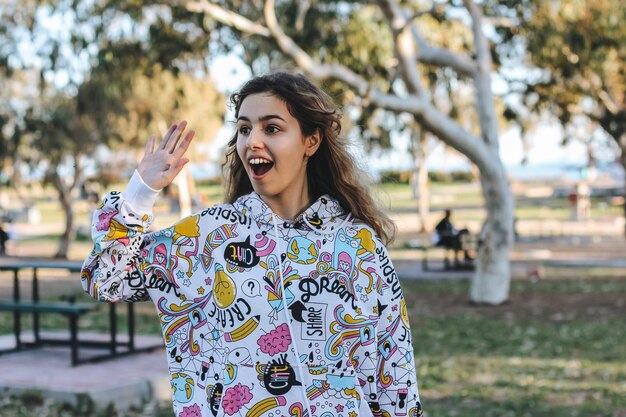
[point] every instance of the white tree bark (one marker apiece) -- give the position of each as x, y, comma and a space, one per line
182, 181
490, 283
419, 182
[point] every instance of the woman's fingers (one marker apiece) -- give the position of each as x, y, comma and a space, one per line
150, 144
159, 166
184, 144
168, 136
175, 137
179, 165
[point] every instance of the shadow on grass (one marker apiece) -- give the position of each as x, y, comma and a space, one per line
475, 406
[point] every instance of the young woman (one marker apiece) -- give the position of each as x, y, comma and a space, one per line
283, 301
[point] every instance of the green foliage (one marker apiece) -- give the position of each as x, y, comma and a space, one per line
119, 72
581, 48
153, 76
142, 64
135, 103
395, 177
456, 176
403, 177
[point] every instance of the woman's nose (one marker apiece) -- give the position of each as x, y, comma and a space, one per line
255, 139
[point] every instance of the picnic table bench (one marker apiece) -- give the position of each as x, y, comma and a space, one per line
426, 249
72, 310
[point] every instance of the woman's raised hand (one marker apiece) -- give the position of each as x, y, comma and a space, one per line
159, 166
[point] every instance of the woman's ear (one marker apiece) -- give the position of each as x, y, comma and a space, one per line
312, 143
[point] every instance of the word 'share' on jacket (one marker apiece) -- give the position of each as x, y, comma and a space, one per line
262, 316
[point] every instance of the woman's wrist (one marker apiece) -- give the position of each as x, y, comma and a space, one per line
140, 195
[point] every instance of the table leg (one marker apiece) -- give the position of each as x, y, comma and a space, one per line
17, 325
131, 327
113, 328
74, 337
35, 300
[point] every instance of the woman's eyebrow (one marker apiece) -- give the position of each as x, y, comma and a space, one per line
262, 118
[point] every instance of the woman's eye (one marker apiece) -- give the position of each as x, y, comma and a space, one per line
244, 130
272, 129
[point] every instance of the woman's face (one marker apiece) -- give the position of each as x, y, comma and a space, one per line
272, 148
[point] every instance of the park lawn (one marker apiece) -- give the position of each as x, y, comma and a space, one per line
464, 198
556, 349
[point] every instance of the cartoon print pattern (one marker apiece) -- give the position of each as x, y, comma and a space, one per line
230, 316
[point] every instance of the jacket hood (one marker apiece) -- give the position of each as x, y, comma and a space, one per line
324, 216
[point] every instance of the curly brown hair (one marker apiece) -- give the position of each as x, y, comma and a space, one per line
331, 170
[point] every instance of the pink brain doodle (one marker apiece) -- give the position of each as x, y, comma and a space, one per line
191, 411
275, 341
235, 398
104, 220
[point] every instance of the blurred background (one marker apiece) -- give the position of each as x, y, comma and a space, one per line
510, 113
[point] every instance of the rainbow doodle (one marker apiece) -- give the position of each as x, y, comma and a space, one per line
266, 405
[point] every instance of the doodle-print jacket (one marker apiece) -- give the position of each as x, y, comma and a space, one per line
262, 316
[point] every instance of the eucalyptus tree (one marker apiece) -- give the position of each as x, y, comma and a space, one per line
41, 127
130, 101
63, 137
93, 67
394, 69
576, 53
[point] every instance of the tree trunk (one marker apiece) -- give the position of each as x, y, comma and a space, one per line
16, 182
424, 201
419, 181
184, 195
491, 281
490, 284
623, 161
65, 198
182, 181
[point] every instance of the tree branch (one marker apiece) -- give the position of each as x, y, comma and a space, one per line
440, 57
404, 47
78, 170
483, 55
482, 79
305, 62
303, 8
228, 18
432, 11
436, 122
610, 104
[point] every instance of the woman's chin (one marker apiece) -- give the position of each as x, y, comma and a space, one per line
261, 189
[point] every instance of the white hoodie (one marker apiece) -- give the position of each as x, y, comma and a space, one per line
262, 316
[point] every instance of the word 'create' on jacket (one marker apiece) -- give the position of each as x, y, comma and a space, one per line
262, 316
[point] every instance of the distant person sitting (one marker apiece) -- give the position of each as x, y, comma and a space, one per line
448, 236
4, 236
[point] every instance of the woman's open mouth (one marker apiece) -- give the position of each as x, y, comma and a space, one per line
260, 166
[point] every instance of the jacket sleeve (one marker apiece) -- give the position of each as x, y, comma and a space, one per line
396, 378
113, 271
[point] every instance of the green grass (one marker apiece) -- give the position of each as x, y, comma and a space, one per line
558, 359
557, 349
399, 197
